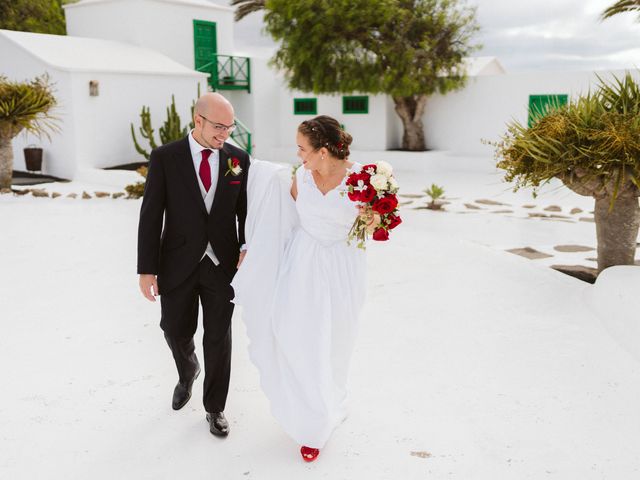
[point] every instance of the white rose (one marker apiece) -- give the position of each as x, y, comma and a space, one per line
393, 183
379, 182
384, 168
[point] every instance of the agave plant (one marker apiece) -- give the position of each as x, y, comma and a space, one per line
23, 106
621, 6
592, 145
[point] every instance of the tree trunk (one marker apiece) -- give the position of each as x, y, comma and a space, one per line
410, 110
617, 230
6, 162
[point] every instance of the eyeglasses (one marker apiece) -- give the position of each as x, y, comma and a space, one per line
219, 127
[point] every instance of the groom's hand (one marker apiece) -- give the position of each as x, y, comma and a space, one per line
149, 286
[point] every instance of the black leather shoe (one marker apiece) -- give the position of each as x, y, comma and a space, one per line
182, 392
218, 425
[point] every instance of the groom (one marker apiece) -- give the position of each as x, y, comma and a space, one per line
198, 186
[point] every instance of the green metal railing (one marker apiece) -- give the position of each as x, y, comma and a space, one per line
228, 73
242, 136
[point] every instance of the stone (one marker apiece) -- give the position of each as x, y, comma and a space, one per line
484, 201
471, 206
502, 211
537, 215
102, 194
586, 274
72, 195
20, 191
56, 195
528, 206
575, 211
5, 190
587, 219
553, 208
530, 253
421, 454
86, 196
122, 194
555, 215
572, 248
38, 192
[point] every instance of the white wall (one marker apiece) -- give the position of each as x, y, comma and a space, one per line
58, 159
369, 131
459, 120
102, 123
161, 26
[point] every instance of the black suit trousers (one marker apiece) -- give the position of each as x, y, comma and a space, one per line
210, 286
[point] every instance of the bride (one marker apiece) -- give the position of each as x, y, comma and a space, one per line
301, 286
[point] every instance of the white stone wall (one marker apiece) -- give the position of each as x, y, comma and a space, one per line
102, 124
162, 26
459, 120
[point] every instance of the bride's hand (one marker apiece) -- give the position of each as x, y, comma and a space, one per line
242, 255
372, 219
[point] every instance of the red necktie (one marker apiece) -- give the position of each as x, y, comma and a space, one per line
205, 170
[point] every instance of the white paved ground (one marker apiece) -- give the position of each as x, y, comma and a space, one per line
472, 363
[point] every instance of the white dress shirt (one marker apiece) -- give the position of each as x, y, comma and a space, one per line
214, 161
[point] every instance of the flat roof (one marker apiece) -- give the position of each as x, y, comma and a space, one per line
78, 54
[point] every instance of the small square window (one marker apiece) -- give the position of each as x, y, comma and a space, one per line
305, 106
355, 104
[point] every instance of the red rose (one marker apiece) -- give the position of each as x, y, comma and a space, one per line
367, 195
367, 167
393, 221
354, 196
386, 204
235, 162
355, 177
380, 235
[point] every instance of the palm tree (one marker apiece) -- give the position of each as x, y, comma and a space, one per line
23, 106
245, 7
592, 146
621, 6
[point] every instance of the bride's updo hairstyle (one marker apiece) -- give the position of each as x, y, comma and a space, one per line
325, 131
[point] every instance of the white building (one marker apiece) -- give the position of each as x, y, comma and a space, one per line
95, 129
143, 51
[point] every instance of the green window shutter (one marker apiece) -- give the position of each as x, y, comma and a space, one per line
305, 106
358, 104
205, 45
540, 105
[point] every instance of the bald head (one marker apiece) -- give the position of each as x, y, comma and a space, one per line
212, 103
210, 110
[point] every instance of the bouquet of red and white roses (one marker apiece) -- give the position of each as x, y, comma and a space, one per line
374, 188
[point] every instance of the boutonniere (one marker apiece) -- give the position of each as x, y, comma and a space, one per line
234, 167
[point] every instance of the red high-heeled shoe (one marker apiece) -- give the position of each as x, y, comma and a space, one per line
309, 454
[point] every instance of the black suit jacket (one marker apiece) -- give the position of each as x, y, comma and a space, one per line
172, 194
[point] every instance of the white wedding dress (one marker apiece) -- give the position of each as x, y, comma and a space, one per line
301, 288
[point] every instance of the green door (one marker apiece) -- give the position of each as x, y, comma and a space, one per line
205, 46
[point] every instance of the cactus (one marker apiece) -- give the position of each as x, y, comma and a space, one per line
169, 132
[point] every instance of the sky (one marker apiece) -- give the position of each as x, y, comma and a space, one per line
532, 35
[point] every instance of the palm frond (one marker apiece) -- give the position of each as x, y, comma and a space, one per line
621, 6
245, 7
